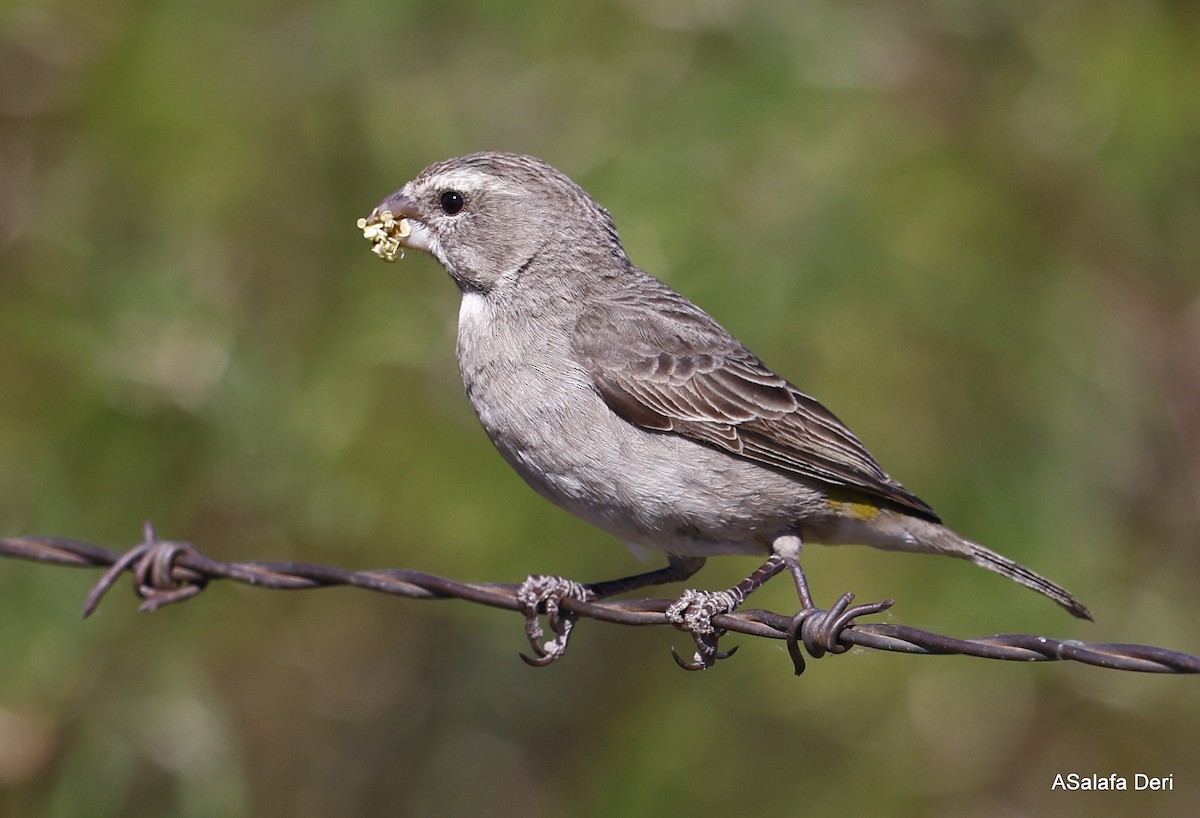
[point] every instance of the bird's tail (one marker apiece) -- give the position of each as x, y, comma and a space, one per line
987, 558
897, 531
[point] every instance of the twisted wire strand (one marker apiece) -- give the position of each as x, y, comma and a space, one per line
167, 572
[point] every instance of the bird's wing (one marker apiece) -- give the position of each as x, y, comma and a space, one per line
664, 364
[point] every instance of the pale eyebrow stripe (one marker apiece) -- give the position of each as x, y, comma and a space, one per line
472, 180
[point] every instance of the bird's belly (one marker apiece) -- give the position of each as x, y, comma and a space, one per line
652, 489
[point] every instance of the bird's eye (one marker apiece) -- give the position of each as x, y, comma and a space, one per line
452, 202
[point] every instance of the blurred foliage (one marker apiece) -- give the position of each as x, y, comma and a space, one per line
972, 229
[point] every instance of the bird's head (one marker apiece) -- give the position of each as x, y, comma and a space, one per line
487, 216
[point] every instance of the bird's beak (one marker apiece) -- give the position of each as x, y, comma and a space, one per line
392, 225
400, 206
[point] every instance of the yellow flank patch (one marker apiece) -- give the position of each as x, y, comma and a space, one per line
858, 511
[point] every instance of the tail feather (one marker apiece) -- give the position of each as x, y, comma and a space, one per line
987, 558
894, 530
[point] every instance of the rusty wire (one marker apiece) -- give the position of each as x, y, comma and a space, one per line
167, 571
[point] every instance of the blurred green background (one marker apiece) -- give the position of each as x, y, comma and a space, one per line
972, 229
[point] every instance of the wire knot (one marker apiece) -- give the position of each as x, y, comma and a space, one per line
159, 579
821, 630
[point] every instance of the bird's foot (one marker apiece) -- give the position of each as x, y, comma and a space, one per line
693, 612
539, 595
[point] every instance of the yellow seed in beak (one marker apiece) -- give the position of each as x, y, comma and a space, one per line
385, 233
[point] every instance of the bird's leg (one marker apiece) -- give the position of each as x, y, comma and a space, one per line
788, 548
541, 594
817, 628
677, 570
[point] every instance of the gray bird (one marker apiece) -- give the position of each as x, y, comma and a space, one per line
624, 403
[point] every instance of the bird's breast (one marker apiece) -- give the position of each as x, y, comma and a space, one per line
524, 385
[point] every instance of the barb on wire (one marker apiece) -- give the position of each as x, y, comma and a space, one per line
167, 572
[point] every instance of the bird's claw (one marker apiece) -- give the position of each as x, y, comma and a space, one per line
539, 595
693, 612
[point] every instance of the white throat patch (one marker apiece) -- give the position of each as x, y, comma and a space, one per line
474, 308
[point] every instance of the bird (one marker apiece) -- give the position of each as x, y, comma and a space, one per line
618, 399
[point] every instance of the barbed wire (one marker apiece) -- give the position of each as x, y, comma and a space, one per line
167, 572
